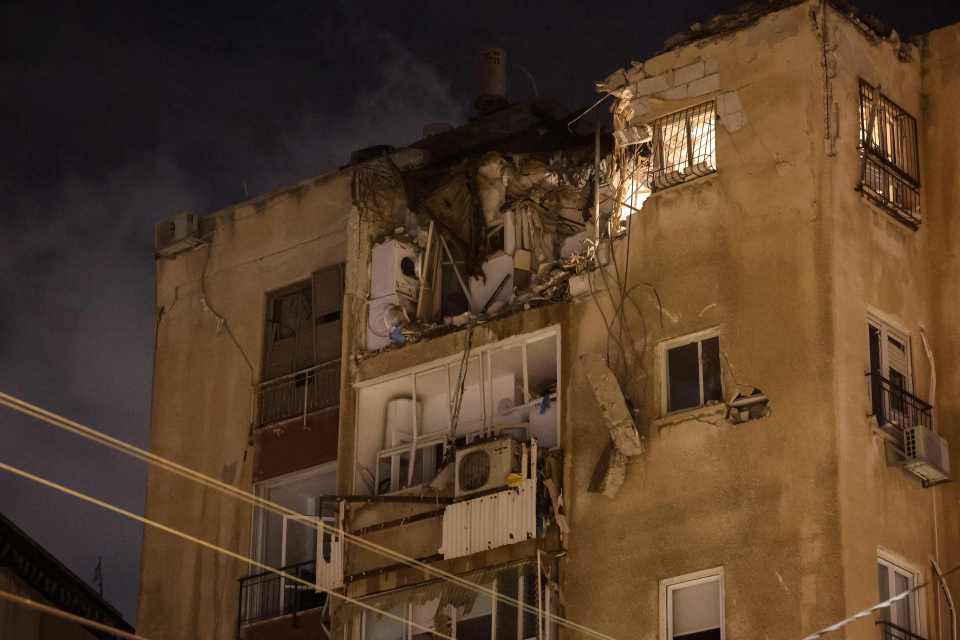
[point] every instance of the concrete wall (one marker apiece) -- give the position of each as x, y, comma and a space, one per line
20, 623
203, 393
941, 89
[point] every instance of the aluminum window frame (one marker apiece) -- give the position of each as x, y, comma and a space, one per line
898, 564
670, 585
663, 368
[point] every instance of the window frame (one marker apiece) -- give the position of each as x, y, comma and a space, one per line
889, 146
258, 521
887, 329
894, 564
670, 585
662, 176
663, 350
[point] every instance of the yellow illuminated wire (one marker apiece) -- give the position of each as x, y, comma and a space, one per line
209, 545
60, 613
151, 458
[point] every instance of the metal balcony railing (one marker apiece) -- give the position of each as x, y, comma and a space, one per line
890, 631
299, 394
895, 407
267, 595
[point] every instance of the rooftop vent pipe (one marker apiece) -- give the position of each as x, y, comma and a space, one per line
493, 80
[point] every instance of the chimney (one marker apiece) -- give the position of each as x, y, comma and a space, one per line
493, 80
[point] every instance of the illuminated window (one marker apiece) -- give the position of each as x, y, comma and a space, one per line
890, 168
684, 146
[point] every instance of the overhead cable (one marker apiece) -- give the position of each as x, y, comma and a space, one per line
65, 615
209, 545
250, 498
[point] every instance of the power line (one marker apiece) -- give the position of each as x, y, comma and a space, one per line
863, 613
254, 500
65, 615
209, 545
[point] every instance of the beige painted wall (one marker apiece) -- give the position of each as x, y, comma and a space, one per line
202, 394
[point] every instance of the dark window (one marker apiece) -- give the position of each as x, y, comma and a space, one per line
694, 376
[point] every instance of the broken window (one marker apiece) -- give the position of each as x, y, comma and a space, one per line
692, 606
890, 170
301, 369
693, 375
509, 387
893, 580
684, 146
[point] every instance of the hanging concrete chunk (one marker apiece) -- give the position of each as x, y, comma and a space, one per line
606, 390
610, 472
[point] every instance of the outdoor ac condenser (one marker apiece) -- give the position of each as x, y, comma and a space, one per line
926, 454
485, 466
176, 234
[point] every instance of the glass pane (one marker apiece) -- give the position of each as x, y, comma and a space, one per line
507, 613
530, 618
301, 543
379, 627
901, 609
542, 366
434, 401
471, 410
712, 377
475, 623
696, 609
424, 615
506, 373
683, 377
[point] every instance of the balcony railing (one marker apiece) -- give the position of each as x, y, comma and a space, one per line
299, 394
890, 631
895, 407
267, 595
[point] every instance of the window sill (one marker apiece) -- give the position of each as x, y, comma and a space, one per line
696, 179
713, 413
889, 211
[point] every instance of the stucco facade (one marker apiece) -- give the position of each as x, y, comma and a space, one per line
776, 255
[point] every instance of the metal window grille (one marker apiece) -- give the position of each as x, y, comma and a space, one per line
890, 168
268, 595
684, 146
299, 394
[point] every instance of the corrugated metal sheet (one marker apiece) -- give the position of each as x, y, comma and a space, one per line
490, 521
330, 564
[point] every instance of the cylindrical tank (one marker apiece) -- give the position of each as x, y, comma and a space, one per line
493, 80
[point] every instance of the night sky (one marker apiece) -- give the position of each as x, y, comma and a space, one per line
113, 118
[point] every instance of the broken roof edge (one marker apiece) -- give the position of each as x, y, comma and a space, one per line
750, 13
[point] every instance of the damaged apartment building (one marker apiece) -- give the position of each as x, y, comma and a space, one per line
691, 376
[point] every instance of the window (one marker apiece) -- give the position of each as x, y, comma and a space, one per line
684, 146
894, 579
891, 380
691, 373
302, 336
508, 387
890, 170
691, 606
476, 618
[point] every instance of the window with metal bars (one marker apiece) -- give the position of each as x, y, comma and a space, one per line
684, 146
890, 167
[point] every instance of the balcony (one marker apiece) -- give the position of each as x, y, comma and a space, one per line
896, 408
266, 595
890, 631
299, 394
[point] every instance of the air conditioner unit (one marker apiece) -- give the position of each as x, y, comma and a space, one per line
485, 466
395, 269
176, 234
926, 455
